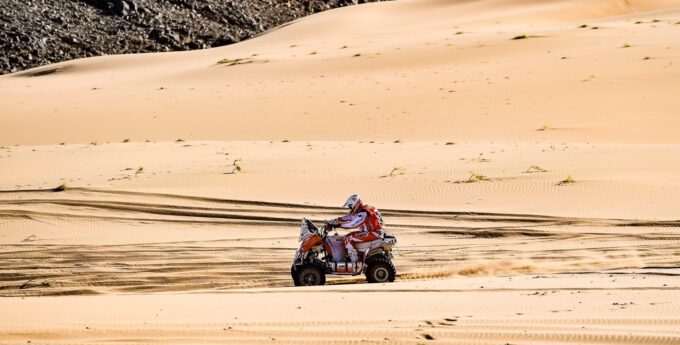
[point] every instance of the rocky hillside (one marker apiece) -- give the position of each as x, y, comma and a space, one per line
39, 32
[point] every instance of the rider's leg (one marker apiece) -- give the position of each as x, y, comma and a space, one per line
357, 237
351, 251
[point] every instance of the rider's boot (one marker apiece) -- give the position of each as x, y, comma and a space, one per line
353, 255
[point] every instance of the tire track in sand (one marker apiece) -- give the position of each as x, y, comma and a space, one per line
432, 244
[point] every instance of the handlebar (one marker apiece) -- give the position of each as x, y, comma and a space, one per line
326, 228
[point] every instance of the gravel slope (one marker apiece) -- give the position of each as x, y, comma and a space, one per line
39, 32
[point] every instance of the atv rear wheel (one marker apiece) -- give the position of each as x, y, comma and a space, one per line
381, 270
308, 275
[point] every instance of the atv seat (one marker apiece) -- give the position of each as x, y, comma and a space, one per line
364, 245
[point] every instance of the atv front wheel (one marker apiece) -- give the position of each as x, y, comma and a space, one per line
381, 270
308, 275
294, 275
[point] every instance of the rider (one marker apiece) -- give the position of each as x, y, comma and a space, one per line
363, 216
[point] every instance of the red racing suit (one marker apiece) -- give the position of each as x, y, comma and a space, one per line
369, 222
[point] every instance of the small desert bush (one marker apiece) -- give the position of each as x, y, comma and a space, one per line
475, 177
30, 238
126, 140
234, 62
535, 169
60, 188
235, 167
520, 37
396, 171
566, 181
139, 170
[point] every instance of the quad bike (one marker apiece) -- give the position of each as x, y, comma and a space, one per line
320, 254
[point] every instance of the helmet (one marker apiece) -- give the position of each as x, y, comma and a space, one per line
353, 203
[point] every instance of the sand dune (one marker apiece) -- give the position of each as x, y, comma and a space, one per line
556, 309
420, 70
612, 180
524, 153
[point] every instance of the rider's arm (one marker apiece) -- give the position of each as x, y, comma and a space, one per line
351, 221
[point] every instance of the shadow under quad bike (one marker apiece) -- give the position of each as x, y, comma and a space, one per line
319, 254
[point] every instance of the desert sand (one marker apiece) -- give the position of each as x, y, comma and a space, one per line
526, 154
